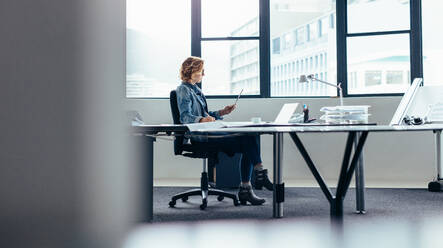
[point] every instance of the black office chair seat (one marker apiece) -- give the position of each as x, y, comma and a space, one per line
195, 151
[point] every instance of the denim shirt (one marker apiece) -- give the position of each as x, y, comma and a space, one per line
192, 106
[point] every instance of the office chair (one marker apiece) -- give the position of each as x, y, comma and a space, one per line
195, 151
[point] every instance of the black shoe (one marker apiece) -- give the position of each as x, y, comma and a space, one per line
261, 179
245, 194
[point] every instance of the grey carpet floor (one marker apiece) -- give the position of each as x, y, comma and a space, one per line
303, 204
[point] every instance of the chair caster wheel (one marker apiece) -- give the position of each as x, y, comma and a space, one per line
220, 198
185, 199
204, 204
172, 204
236, 203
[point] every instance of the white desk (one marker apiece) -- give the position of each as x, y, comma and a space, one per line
346, 170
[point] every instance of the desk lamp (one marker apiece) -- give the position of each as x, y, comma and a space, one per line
306, 78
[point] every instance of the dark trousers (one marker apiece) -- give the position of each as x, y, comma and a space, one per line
247, 145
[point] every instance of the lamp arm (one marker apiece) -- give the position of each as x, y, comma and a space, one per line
333, 85
338, 86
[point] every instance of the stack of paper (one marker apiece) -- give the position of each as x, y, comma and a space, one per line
345, 114
435, 113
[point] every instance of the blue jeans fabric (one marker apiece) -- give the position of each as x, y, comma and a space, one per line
247, 145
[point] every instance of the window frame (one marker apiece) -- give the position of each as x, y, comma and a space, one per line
415, 45
265, 47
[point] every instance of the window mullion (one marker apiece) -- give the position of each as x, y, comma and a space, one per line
416, 47
341, 32
265, 51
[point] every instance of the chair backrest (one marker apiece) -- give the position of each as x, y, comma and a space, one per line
178, 142
179, 145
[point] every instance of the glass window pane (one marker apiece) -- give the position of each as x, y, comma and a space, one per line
378, 15
378, 64
231, 66
153, 56
229, 18
307, 30
432, 41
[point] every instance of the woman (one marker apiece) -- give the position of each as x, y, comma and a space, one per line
193, 108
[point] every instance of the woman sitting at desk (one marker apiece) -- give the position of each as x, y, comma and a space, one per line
192, 106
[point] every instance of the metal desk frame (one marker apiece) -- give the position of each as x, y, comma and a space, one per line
356, 134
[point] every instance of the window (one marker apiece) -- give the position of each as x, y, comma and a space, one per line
235, 62
324, 26
432, 41
308, 33
229, 18
300, 35
352, 80
394, 77
321, 60
383, 55
373, 56
276, 46
372, 78
153, 56
332, 21
374, 53
378, 15
230, 47
287, 41
316, 62
313, 31
307, 29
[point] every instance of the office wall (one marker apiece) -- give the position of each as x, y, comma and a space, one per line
391, 159
64, 179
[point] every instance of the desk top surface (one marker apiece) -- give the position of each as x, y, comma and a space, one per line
288, 129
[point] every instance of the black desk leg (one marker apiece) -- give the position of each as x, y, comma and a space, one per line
278, 194
437, 184
346, 171
147, 168
359, 182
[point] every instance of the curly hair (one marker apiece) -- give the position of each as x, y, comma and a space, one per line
189, 66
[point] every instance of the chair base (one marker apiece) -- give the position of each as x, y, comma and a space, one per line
204, 194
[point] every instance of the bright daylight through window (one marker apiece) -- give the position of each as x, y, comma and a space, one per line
158, 39
303, 42
380, 63
432, 41
303, 36
230, 65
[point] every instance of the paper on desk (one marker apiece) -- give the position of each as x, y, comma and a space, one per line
237, 123
205, 126
217, 124
435, 113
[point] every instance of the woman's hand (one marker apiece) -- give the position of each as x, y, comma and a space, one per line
207, 119
227, 110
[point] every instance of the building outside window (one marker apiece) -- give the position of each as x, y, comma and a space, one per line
371, 59
432, 41
153, 57
232, 65
303, 41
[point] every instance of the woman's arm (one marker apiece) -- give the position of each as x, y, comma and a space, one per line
227, 110
216, 115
